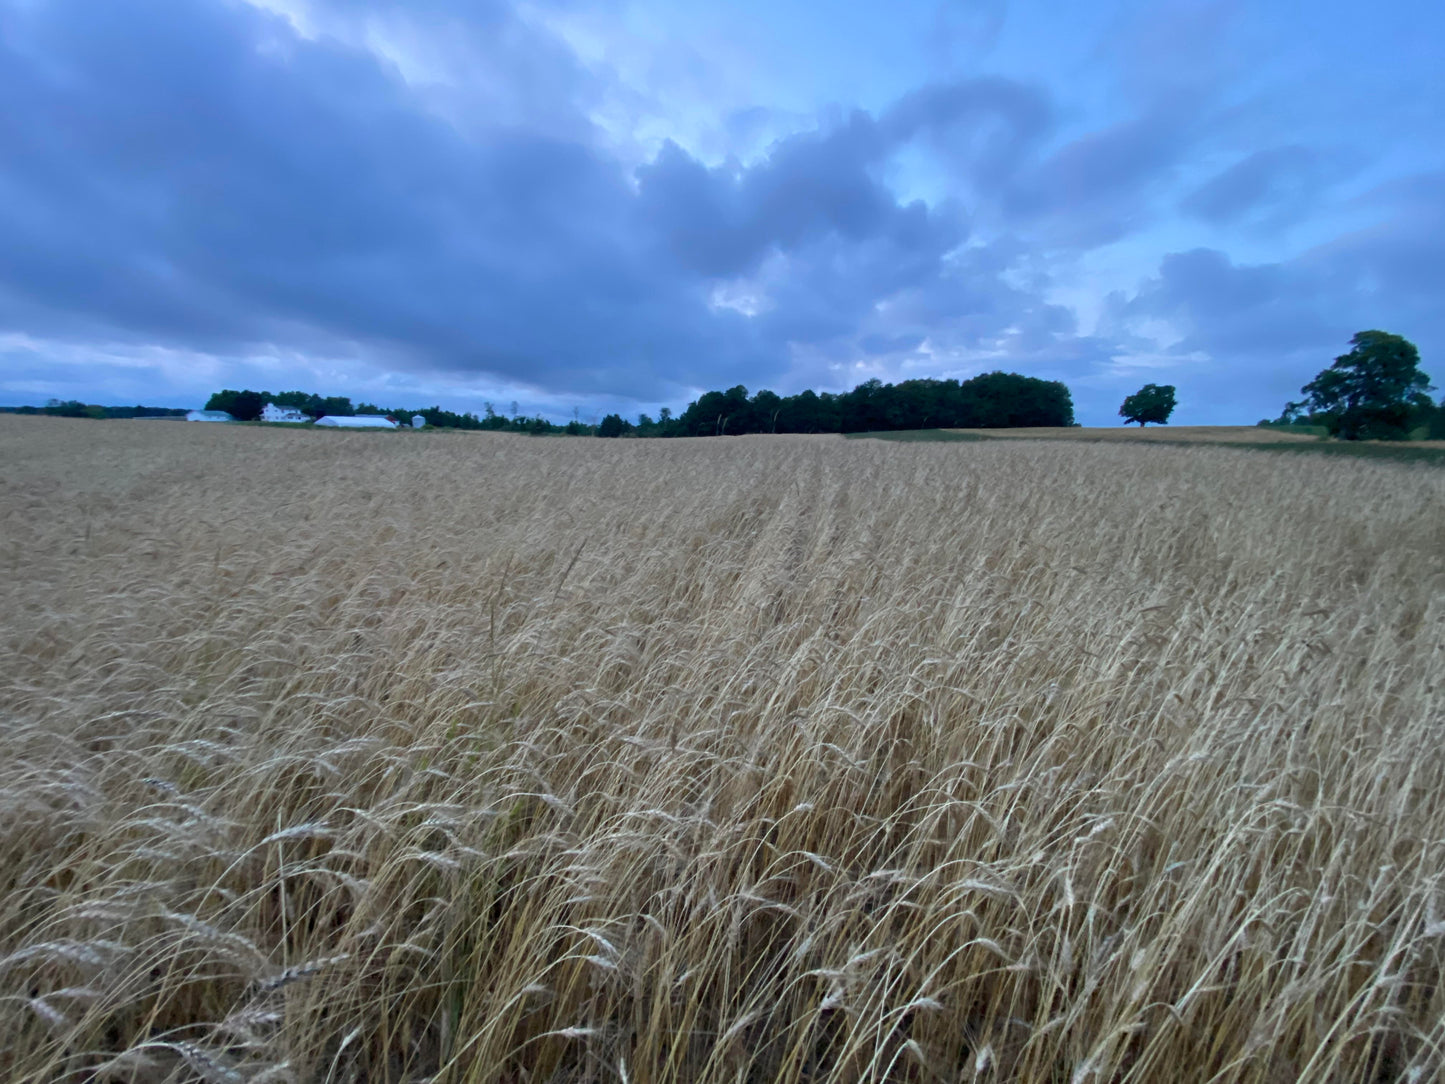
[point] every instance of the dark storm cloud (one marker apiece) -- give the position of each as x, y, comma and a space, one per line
199, 175
172, 178
810, 189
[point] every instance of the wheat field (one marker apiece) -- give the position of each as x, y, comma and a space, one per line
479, 758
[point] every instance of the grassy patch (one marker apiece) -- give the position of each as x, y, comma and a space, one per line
1387, 451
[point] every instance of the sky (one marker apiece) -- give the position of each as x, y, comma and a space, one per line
613, 206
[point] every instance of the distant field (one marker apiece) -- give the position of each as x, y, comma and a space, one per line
480, 758
1229, 434
1429, 452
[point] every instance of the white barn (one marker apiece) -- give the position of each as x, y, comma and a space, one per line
360, 421
208, 416
273, 413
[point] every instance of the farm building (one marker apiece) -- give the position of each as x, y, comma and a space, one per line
208, 416
273, 413
417, 421
360, 421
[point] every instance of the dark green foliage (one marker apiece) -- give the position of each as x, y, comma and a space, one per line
139, 411
298, 400
74, 408
244, 406
1374, 392
613, 426
1151, 403
991, 401
330, 406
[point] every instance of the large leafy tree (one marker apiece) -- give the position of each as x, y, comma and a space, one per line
1151, 403
1371, 393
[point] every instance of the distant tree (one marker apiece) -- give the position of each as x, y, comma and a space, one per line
244, 406
767, 405
1151, 403
74, 408
803, 413
1374, 392
612, 426
222, 400
334, 406
139, 411
247, 405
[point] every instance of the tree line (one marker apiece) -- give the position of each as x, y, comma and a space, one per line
990, 401
74, 408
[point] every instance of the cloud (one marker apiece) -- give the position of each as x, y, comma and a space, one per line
449, 194
1271, 187
206, 175
176, 181
1102, 186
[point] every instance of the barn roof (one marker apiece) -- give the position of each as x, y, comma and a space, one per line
360, 421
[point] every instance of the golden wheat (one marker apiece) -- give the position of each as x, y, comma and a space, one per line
354, 756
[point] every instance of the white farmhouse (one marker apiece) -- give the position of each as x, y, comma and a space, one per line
273, 413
